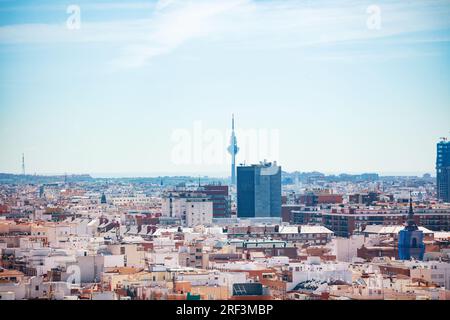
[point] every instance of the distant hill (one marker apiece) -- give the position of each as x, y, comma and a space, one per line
9, 178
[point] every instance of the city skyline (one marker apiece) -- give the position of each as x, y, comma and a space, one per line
248, 155
106, 98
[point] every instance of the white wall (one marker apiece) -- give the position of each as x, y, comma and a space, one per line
199, 213
230, 278
114, 261
324, 272
345, 249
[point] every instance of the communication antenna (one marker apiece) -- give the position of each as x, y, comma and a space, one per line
23, 163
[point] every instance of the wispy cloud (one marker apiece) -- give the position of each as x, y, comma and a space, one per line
91, 5
175, 23
239, 23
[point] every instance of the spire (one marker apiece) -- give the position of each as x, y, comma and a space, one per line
103, 198
410, 239
411, 224
232, 121
411, 212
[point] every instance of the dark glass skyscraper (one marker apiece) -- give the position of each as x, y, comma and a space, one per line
259, 190
443, 170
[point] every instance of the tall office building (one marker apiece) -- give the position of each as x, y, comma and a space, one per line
259, 190
443, 170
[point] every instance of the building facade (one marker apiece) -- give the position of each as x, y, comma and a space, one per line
443, 171
259, 190
192, 208
198, 212
347, 221
220, 197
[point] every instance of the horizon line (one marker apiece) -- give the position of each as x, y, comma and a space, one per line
215, 175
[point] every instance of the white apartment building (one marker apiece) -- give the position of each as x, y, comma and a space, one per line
165, 257
57, 232
133, 256
198, 212
137, 199
316, 270
174, 207
345, 249
191, 208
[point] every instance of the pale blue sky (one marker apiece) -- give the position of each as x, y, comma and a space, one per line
106, 98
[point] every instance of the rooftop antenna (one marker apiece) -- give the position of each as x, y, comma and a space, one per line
23, 163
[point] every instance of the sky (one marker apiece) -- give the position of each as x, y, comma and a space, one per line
149, 87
